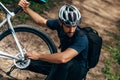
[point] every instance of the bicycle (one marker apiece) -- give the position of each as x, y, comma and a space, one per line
15, 41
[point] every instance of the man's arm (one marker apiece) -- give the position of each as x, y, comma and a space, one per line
61, 57
36, 17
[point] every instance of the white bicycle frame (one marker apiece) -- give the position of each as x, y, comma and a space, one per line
8, 20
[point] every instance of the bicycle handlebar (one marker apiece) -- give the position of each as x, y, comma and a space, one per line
37, 1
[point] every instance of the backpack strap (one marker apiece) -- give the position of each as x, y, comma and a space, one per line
89, 29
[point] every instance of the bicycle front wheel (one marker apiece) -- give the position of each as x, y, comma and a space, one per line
30, 39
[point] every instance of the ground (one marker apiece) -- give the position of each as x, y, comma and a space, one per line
102, 15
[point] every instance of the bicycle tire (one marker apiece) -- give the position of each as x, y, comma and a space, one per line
41, 42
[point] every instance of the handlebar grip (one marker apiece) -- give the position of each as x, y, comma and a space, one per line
17, 9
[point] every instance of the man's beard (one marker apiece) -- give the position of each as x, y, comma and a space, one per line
70, 34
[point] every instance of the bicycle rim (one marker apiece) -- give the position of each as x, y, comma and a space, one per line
30, 39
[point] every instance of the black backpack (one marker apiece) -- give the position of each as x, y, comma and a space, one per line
95, 45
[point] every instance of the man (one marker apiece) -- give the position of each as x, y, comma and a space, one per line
71, 62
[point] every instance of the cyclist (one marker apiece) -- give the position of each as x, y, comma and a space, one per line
71, 62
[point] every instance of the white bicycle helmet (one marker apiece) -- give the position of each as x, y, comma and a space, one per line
69, 15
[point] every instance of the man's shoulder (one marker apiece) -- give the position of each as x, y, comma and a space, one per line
53, 20
80, 35
53, 23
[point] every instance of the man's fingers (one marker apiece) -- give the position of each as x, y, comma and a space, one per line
23, 3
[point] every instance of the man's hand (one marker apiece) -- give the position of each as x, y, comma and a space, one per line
24, 4
32, 55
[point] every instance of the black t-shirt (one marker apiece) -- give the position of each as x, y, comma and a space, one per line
78, 42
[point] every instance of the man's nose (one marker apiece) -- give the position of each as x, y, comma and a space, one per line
71, 29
